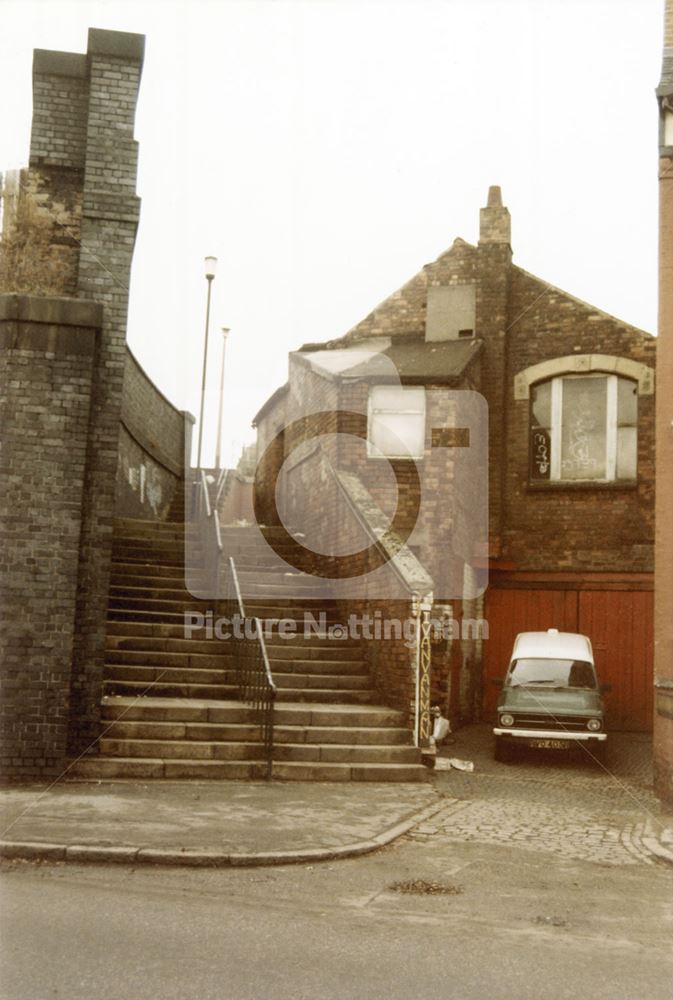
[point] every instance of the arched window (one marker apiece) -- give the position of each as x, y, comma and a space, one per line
583, 428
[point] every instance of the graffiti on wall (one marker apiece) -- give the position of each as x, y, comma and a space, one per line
143, 479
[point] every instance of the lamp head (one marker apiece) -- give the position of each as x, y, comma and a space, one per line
210, 267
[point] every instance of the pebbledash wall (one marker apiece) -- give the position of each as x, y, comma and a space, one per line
84, 433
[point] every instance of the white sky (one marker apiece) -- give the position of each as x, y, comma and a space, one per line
324, 151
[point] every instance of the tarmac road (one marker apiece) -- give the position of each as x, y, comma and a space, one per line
510, 923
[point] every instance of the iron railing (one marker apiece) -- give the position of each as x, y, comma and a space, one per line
221, 487
251, 662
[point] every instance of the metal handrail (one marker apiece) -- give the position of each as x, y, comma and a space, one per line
221, 486
205, 494
253, 671
251, 661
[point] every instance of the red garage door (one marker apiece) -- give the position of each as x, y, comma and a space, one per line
509, 612
619, 624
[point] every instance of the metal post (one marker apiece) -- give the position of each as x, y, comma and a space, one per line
210, 274
225, 334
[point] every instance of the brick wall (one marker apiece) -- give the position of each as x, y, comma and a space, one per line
555, 526
110, 213
151, 455
71, 233
47, 350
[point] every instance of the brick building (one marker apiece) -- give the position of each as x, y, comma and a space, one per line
570, 394
663, 642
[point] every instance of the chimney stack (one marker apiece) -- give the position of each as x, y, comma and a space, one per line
495, 225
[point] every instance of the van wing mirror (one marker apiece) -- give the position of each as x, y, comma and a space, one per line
606, 688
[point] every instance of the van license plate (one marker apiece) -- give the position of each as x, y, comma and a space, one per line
550, 744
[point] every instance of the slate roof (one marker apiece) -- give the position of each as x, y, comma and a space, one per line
411, 359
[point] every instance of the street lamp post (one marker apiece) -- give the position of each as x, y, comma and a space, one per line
225, 334
210, 268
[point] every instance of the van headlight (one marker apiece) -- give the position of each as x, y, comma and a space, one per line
506, 719
594, 725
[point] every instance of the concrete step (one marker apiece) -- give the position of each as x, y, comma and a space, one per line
251, 578
117, 631
306, 771
166, 675
225, 750
151, 547
181, 749
128, 528
274, 574
300, 664
154, 604
172, 645
187, 731
298, 647
180, 589
151, 592
299, 714
136, 616
311, 684
169, 689
167, 660
120, 630
215, 660
106, 768
293, 610
349, 735
332, 695
249, 732
335, 753
174, 562
154, 709
298, 611
147, 572
261, 564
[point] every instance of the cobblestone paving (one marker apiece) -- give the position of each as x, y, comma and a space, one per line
566, 805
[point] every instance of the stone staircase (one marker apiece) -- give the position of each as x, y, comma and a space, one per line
170, 705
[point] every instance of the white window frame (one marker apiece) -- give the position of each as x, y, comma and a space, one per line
611, 429
372, 450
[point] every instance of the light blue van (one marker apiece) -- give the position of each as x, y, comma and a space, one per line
551, 698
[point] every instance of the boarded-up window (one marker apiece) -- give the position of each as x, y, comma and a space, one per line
450, 313
396, 422
584, 428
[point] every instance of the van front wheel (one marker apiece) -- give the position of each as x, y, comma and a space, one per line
504, 751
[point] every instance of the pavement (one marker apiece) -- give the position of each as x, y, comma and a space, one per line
566, 804
208, 823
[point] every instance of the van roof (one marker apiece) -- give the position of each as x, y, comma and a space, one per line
552, 643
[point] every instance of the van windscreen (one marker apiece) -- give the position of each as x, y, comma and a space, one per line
549, 672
